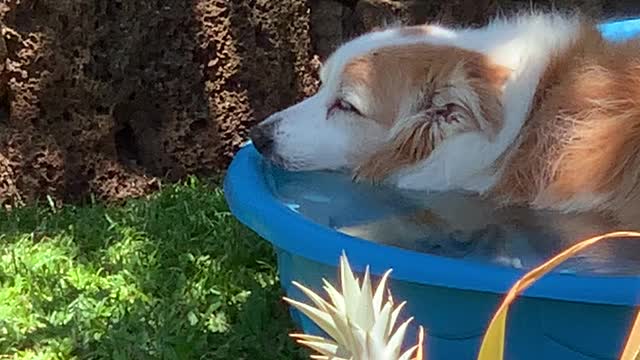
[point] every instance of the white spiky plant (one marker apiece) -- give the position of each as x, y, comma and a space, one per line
361, 325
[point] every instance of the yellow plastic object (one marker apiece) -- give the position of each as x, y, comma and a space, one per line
632, 348
492, 347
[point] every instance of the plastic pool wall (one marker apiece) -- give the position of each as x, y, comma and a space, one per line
563, 317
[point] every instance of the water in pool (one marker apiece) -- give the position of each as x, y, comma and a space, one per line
452, 224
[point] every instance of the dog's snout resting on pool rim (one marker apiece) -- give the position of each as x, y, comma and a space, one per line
533, 109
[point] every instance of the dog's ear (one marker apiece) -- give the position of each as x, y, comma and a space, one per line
471, 95
488, 80
462, 100
410, 143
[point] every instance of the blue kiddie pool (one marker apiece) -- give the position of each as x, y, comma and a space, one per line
453, 278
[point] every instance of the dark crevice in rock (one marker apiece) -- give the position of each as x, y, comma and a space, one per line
127, 146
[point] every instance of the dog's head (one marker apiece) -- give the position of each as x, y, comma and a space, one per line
385, 104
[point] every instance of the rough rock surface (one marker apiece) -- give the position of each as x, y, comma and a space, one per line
334, 21
108, 97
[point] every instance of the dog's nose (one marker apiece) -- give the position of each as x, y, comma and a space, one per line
262, 137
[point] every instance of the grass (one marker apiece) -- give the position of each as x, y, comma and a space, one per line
174, 276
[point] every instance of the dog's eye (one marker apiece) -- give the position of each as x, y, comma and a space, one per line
343, 105
346, 106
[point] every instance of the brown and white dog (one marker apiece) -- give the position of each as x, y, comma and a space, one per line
536, 110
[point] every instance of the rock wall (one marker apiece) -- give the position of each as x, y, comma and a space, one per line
334, 21
109, 97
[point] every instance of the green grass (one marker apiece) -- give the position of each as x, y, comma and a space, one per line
173, 276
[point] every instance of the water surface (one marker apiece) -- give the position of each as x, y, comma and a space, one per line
454, 225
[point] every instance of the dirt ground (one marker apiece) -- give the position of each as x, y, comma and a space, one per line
110, 97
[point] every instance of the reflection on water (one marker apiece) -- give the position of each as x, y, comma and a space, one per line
452, 224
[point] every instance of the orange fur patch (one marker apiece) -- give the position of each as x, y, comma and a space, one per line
393, 75
416, 30
580, 148
411, 145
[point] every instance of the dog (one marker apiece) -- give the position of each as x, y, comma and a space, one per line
537, 110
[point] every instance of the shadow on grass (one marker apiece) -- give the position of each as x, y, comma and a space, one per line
173, 276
